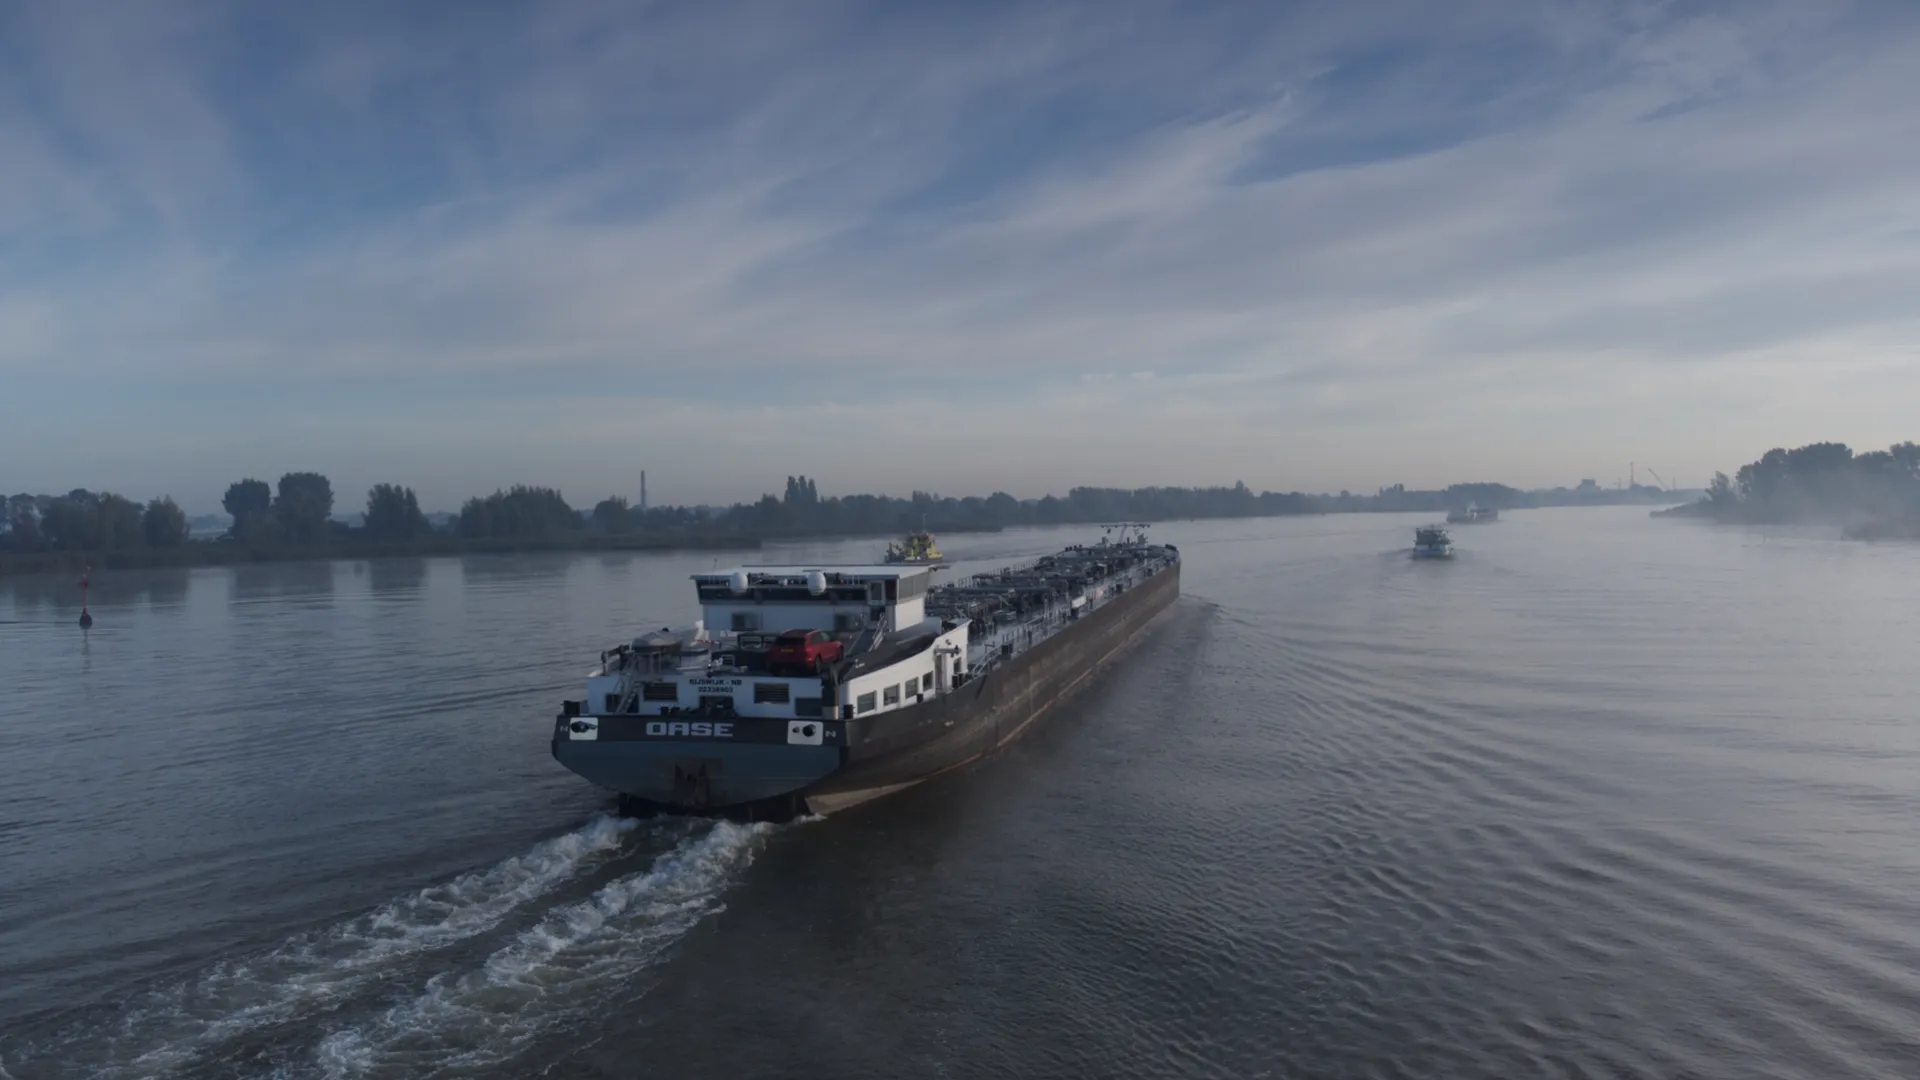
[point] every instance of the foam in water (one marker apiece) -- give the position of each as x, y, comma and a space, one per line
551, 971
170, 1027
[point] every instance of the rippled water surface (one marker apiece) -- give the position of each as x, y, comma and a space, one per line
1603, 797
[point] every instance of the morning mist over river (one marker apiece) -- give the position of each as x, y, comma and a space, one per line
1600, 796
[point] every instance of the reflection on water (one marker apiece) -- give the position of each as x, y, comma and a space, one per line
501, 568
397, 575
1603, 797
165, 586
47, 596
57, 597
260, 581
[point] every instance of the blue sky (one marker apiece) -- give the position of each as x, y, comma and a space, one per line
962, 247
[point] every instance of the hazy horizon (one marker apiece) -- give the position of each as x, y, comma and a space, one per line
350, 503
954, 248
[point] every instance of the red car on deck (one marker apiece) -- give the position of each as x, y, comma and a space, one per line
802, 651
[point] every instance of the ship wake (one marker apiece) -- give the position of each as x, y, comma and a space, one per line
549, 973
451, 977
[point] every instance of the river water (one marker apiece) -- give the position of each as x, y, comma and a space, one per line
1603, 797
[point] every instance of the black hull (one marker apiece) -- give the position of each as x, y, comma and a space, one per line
894, 750
754, 776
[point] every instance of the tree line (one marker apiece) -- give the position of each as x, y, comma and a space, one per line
83, 520
1819, 482
297, 514
802, 510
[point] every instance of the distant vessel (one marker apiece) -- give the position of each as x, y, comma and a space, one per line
1473, 515
916, 548
823, 687
1432, 542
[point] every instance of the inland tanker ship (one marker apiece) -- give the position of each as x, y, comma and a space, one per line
809, 689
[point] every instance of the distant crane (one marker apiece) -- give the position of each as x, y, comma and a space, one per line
1658, 479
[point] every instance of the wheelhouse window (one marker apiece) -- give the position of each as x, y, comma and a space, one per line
890, 696
771, 693
659, 691
745, 620
863, 704
926, 681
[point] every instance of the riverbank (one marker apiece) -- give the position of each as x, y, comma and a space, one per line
229, 553
1873, 529
1701, 509
224, 552
1884, 530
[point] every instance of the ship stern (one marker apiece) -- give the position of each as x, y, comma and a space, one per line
731, 766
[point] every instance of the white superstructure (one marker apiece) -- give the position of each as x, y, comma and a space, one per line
891, 653
1432, 542
900, 641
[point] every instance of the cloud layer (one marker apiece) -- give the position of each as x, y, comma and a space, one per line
963, 247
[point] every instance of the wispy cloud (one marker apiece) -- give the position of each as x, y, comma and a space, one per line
1307, 246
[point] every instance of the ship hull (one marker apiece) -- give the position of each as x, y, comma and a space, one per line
757, 770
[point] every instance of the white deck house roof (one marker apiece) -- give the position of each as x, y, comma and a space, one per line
854, 573
773, 599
